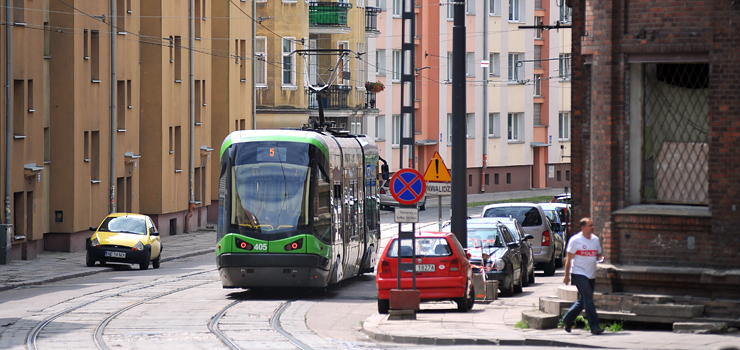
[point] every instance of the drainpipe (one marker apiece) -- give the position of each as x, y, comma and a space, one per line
113, 101
485, 98
254, 67
8, 106
191, 142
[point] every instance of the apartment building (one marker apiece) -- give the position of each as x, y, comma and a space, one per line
322, 31
86, 142
517, 91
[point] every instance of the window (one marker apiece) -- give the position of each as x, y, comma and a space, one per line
537, 112
288, 68
470, 180
515, 68
396, 137
538, 56
470, 125
47, 40
449, 128
29, 98
470, 64
557, 178
95, 56
514, 10
178, 59
121, 108
85, 44
564, 125
19, 113
397, 8
495, 61
495, 179
494, 7
121, 16
86, 146
380, 127
486, 179
260, 63
380, 62
197, 103
538, 31
242, 47
450, 11
172, 141
198, 15
178, 149
538, 4
567, 175
508, 178
449, 66
494, 125
565, 14
129, 95
564, 71
538, 84
381, 5
19, 11
470, 7
396, 65
513, 126
95, 155
344, 72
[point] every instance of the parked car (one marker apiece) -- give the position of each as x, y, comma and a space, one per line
387, 200
526, 249
125, 238
500, 253
563, 214
547, 246
561, 198
443, 271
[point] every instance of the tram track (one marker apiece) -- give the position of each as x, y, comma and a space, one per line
33, 335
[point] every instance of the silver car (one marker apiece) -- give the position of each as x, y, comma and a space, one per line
387, 201
547, 245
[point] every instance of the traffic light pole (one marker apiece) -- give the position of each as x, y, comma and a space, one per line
459, 205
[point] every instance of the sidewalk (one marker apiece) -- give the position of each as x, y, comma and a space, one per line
433, 201
494, 324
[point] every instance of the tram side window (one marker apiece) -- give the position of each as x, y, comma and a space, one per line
371, 205
322, 208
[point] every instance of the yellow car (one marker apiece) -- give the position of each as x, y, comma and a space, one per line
126, 238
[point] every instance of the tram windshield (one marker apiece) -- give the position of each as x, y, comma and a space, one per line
270, 182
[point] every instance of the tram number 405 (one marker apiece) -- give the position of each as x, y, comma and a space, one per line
260, 246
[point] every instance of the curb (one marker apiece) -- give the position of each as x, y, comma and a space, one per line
420, 340
92, 272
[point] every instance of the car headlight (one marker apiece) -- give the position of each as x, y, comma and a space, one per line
138, 246
499, 264
95, 242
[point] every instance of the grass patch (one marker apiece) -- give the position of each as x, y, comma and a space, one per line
522, 325
581, 322
540, 199
615, 327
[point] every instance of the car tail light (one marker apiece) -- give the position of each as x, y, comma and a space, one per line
384, 270
546, 238
455, 267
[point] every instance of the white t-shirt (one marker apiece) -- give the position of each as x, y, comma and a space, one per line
586, 253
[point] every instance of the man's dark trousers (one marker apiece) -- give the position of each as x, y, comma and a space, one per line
585, 300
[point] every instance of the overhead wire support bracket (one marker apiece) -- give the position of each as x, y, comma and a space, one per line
557, 26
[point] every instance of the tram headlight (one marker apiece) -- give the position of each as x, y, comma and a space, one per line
242, 244
294, 245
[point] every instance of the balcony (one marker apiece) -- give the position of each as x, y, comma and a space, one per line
369, 100
371, 22
328, 17
335, 97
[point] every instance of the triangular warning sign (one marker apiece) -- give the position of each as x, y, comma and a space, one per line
437, 170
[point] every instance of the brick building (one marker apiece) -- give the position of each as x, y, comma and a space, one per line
656, 143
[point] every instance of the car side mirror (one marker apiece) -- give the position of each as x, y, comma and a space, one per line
384, 171
93, 228
513, 244
155, 233
527, 237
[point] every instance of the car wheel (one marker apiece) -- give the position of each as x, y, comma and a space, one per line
155, 262
508, 290
518, 288
89, 260
383, 306
145, 263
466, 303
550, 267
423, 206
525, 277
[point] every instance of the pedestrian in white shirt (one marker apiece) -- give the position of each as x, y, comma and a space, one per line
584, 251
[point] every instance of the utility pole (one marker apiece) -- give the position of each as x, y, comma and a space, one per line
7, 228
408, 83
113, 93
459, 200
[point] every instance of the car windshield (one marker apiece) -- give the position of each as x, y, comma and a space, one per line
123, 224
479, 237
527, 216
425, 247
552, 215
514, 231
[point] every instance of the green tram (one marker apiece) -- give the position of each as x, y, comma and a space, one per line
297, 208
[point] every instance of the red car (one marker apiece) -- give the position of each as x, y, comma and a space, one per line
443, 271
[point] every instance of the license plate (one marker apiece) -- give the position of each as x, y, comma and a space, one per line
425, 268
115, 254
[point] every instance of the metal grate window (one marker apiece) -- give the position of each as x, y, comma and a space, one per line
676, 132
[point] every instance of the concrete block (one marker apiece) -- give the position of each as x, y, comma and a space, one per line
569, 293
668, 310
540, 320
700, 327
402, 314
479, 282
652, 299
404, 299
553, 305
